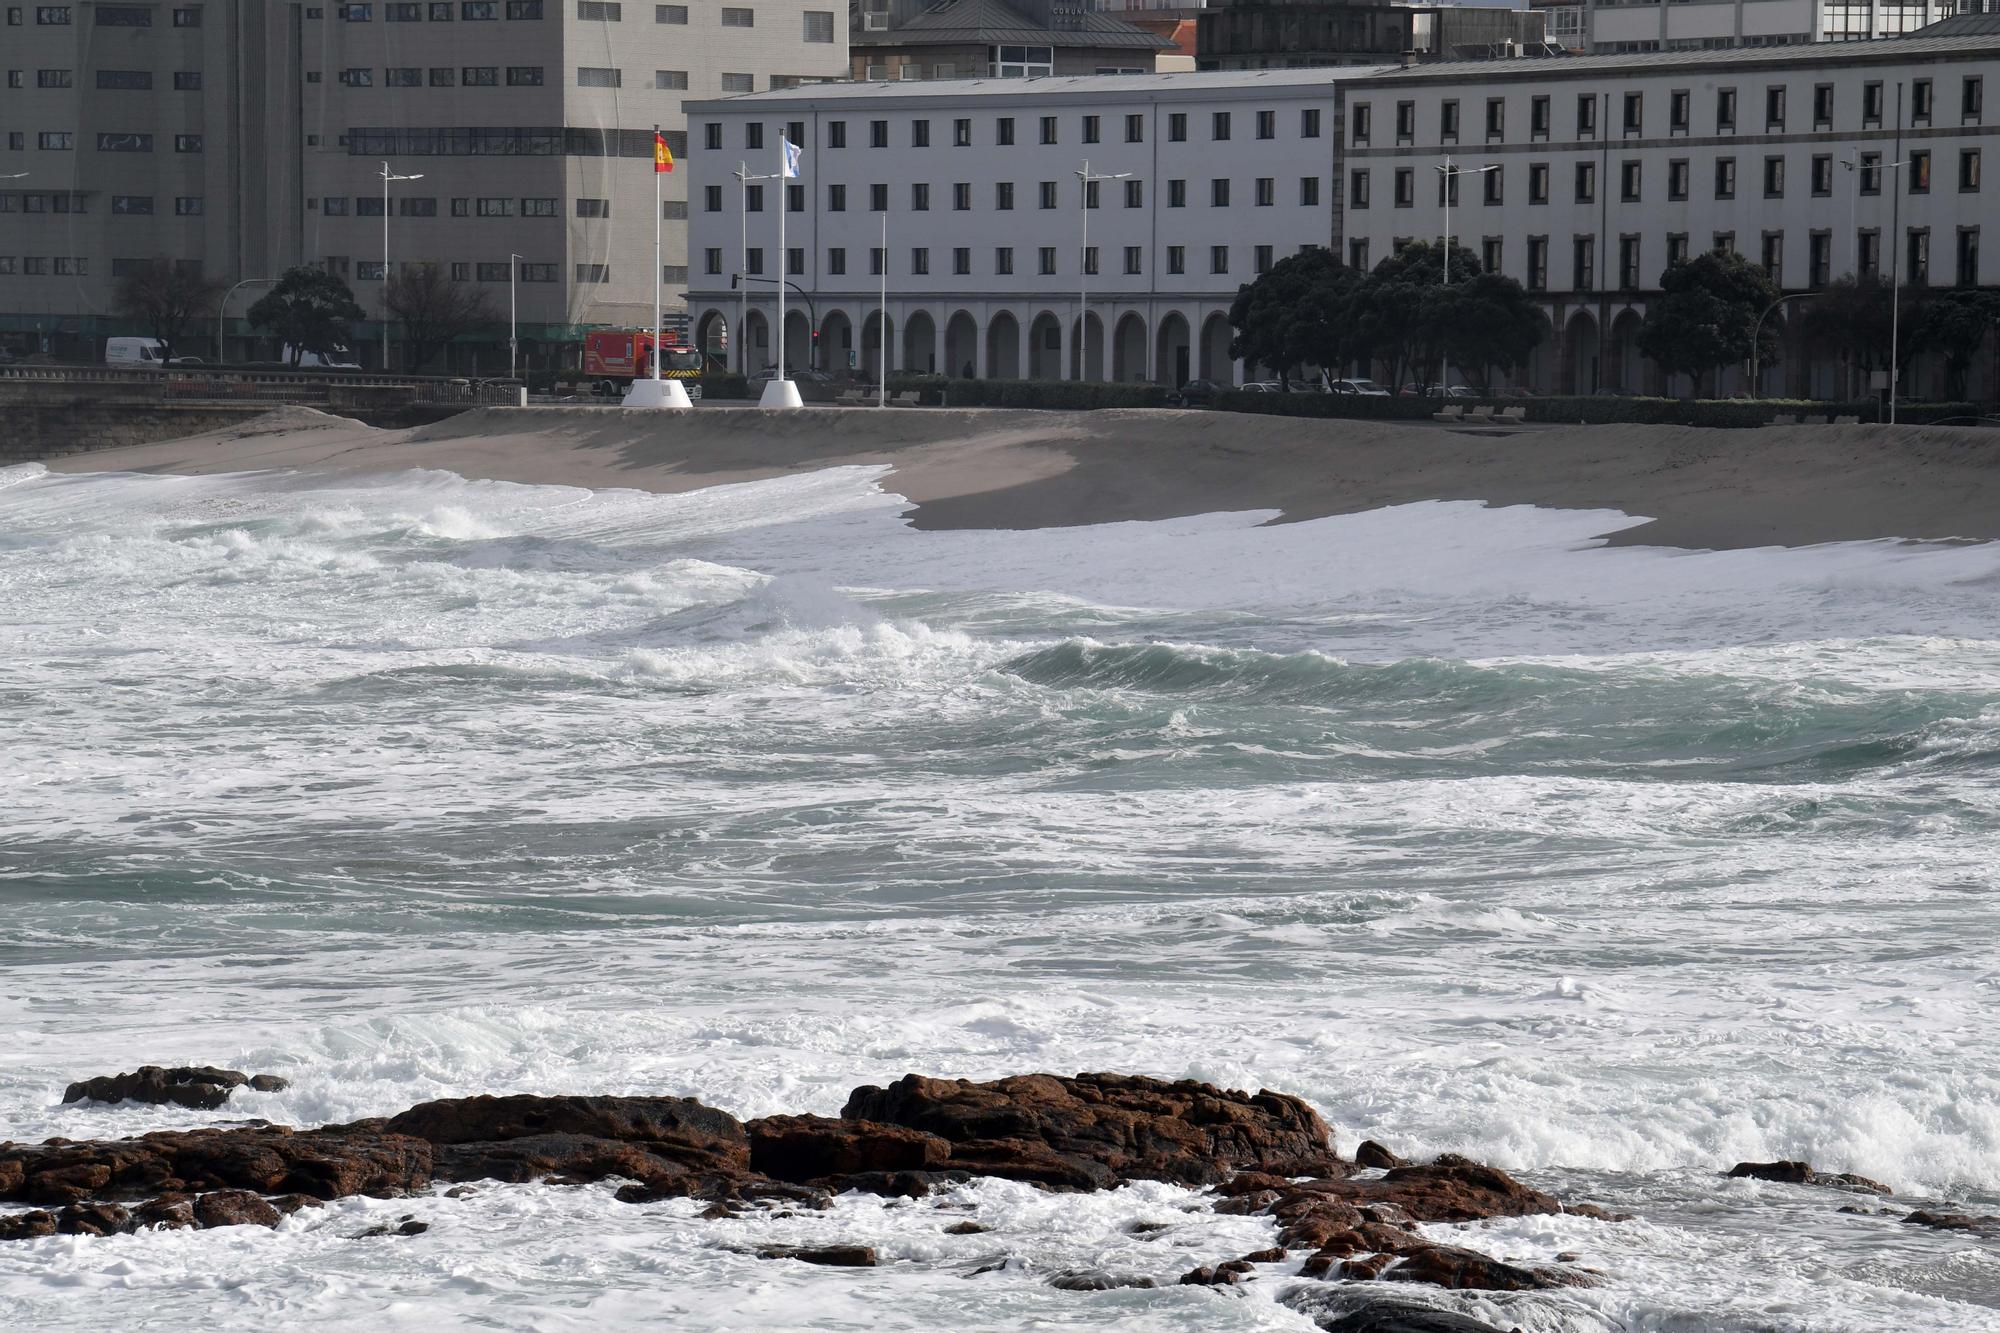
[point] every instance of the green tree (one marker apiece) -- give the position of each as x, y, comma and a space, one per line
434, 310
1485, 321
1851, 318
1707, 314
166, 297
309, 310
1298, 313
1954, 324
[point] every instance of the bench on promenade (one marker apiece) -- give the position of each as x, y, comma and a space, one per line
1513, 416
1481, 415
911, 399
1847, 421
1785, 419
853, 398
1819, 420
1449, 415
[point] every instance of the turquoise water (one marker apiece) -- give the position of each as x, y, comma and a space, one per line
1613, 867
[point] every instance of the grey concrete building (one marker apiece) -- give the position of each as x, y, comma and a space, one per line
1001, 39
247, 137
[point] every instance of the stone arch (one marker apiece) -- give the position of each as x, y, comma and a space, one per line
1539, 371
871, 344
1129, 361
1216, 363
757, 349
838, 352
1623, 367
798, 340
1580, 354
1003, 347
961, 345
711, 338
1045, 347
1173, 363
1089, 348
920, 343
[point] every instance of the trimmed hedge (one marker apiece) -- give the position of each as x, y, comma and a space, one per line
724, 384
1059, 395
1722, 413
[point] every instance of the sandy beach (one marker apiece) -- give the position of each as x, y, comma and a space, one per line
990, 468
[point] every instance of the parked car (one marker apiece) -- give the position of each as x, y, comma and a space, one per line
1195, 393
1364, 387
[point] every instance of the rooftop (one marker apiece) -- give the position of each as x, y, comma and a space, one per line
1885, 51
995, 23
1194, 86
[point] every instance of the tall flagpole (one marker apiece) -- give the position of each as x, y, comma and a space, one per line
781, 392
657, 173
882, 334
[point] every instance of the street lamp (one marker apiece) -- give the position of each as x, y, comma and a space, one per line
1896, 268
1448, 174
388, 176
1083, 272
743, 179
1756, 389
513, 319
19, 175
223, 309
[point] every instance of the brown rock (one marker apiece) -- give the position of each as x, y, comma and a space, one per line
66, 1182
1374, 1155
27, 1226
200, 1087
833, 1256
1450, 1266
810, 1147
1942, 1221
675, 1128
568, 1159
94, 1219
234, 1208
1097, 1130
1788, 1173
966, 1229
169, 1212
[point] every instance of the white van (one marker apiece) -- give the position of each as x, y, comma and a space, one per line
334, 358
148, 352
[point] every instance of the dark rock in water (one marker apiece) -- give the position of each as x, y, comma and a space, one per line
1461, 1269
199, 1087
811, 1148
833, 1256
1373, 1155
31, 1225
1802, 1173
966, 1229
1099, 1130
234, 1208
1940, 1221
169, 1212
677, 1128
1380, 1313
94, 1219
326, 1164
1096, 1279
409, 1226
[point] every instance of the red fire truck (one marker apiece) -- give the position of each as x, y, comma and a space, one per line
613, 358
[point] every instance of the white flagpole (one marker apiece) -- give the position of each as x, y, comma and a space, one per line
656, 254
882, 334
783, 190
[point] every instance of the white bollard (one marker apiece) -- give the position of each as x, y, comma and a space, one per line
649, 392
781, 395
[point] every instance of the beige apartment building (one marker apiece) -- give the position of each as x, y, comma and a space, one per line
246, 137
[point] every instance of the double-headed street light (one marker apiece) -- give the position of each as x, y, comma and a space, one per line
387, 176
1089, 178
1449, 174
513, 319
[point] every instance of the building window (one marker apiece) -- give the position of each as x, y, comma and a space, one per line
675, 14
1538, 263
1448, 121
479, 11
1920, 101
1003, 196
187, 18
1489, 254
753, 135
1176, 194
1677, 111
1772, 256
920, 260
1309, 123
524, 9
836, 134
187, 81
819, 25
125, 80
1774, 107
1218, 192
1218, 259
1090, 129
591, 76
127, 16
1586, 116
1048, 129
1822, 106
495, 208
1583, 264
45, 78
753, 259
1871, 174
920, 197
355, 13
961, 133
1725, 110
1359, 118
1491, 181
530, 76
1177, 259
591, 274
1357, 253
1871, 104
1133, 257
739, 18
1822, 175
1267, 124
753, 199
1309, 192
1774, 178
132, 204
1357, 188
711, 136
55, 141
1819, 259
1090, 260
1406, 187
1135, 194
1218, 126
1634, 113
1406, 122
1047, 260
1003, 131
1003, 259
357, 78
738, 82
1868, 253
1725, 178
878, 134
1260, 259
1628, 182
333, 207
593, 208
1919, 170
1917, 252
594, 11
124, 143
1538, 119
1496, 118
1267, 191
672, 80
1972, 99
56, 15
1968, 169
1538, 182
1725, 243
1677, 178
920, 134
1048, 193
1177, 127
1968, 256
1628, 263
479, 76
1586, 182
1677, 248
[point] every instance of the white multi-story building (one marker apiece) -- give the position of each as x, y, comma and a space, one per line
1817, 161
1613, 27
1206, 178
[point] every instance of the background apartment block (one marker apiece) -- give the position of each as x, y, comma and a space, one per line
530, 122
1614, 27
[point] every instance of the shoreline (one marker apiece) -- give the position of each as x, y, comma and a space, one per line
993, 468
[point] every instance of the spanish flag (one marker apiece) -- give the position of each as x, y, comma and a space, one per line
663, 156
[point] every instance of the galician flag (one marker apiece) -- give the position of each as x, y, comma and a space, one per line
792, 155
663, 156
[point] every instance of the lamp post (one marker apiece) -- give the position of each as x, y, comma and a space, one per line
1448, 174
19, 175
513, 317
223, 309
1756, 388
743, 179
1089, 178
387, 176
1896, 270
882, 332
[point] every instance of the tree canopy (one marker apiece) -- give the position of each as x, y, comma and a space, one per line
309, 310
1953, 323
434, 310
166, 297
1707, 313
1296, 314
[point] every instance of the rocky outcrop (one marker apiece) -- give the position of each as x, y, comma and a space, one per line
1802, 1173
198, 1087
1939, 1220
1095, 1131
